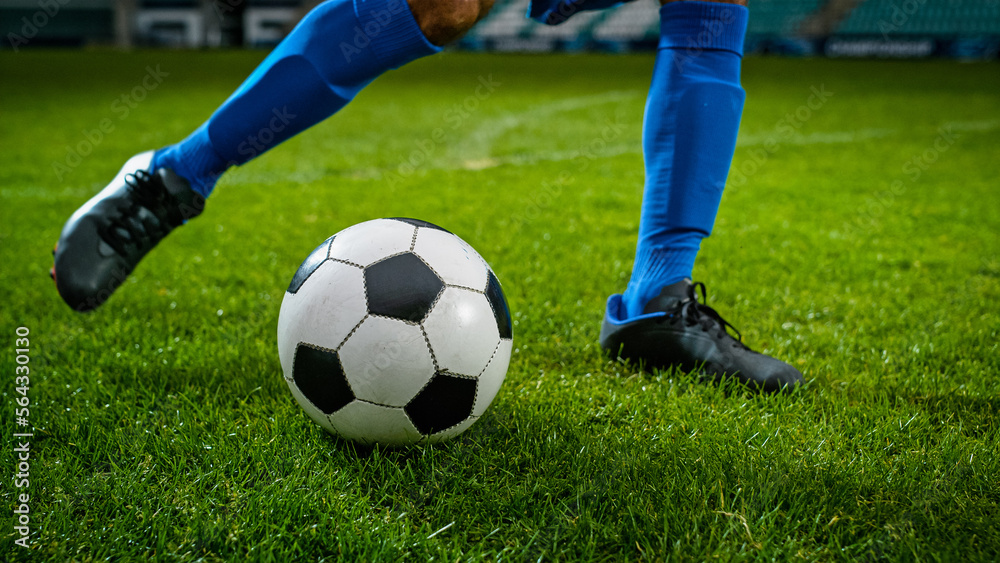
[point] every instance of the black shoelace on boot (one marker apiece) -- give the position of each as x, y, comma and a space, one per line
694, 313
126, 233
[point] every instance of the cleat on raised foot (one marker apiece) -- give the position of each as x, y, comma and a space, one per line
676, 330
106, 238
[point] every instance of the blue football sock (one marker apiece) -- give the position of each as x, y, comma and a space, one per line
689, 136
334, 52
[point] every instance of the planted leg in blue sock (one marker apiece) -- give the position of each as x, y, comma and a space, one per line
689, 135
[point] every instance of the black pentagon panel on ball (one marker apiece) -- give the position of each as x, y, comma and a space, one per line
318, 374
402, 287
309, 265
419, 223
494, 294
444, 402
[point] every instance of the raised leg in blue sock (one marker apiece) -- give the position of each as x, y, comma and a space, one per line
334, 52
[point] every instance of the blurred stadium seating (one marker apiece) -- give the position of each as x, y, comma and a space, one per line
915, 28
936, 18
969, 28
30, 23
634, 25
173, 23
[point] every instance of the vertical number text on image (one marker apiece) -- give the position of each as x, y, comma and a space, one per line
22, 437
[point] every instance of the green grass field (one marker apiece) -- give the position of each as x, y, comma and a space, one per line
858, 240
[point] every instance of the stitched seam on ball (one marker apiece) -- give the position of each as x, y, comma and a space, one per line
476, 291
437, 299
450, 373
345, 262
415, 395
493, 355
364, 291
356, 398
349, 334
318, 266
448, 428
384, 258
423, 437
329, 418
428, 382
387, 317
295, 355
335, 353
413, 240
475, 399
480, 292
430, 310
503, 299
431, 268
438, 274
489, 271
441, 293
434, 360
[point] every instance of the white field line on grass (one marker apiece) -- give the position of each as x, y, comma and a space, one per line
821, 138
744, 141
612, 150
485, 139
484, 160
818, 138
981, 125
480, 140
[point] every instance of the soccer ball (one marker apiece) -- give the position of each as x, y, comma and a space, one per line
394, 331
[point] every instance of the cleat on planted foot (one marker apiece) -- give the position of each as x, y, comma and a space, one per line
676, 330
106, 238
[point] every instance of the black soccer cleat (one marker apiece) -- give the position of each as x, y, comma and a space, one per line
676, 330
106, 238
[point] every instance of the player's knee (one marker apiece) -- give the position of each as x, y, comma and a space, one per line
443, 21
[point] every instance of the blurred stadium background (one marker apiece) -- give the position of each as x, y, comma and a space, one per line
965, 29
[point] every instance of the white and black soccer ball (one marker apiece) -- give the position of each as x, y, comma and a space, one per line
394, 331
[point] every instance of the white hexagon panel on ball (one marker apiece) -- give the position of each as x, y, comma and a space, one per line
387, 361
462, 331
